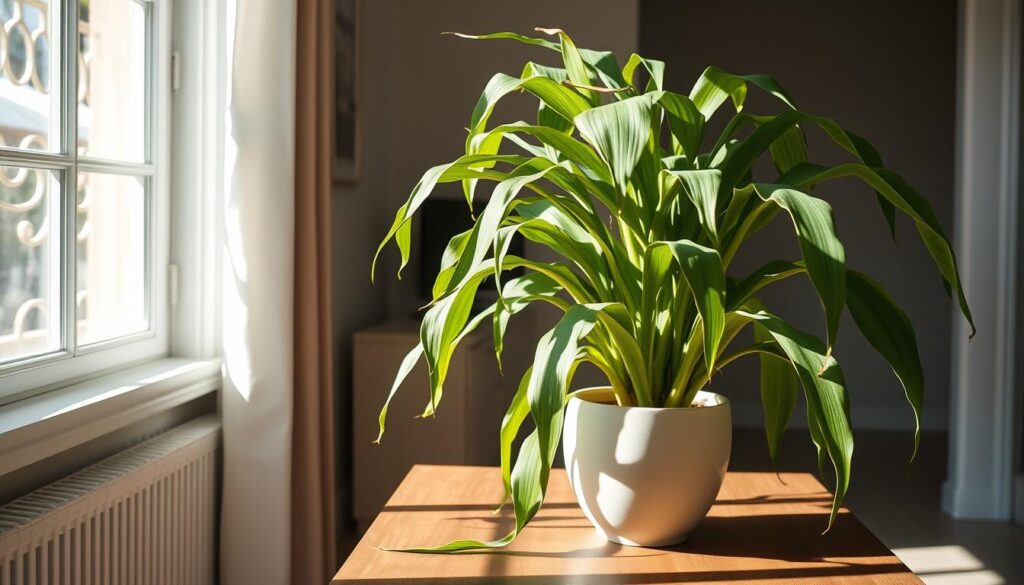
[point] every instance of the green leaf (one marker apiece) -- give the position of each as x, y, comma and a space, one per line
462, 168
575, 66
888, 329
701, 187
822, 251
510, 36
517, 412
572, 149
618, 132
702, 268
870, 157
713, 87
655, 69
602, 62
685, 123
553, 366
442, 328
563, 100
606, 66
894, 189
516, 295
789, 149
825, 393
615, 321
778, 395
482, 236
527, 497
739, 292
408, 363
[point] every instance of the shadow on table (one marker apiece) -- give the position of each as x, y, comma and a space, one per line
794, 538
781, 575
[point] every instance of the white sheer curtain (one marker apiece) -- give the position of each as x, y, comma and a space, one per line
258, 291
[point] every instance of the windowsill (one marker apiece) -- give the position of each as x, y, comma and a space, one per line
41, 426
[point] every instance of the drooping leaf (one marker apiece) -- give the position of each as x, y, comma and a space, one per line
823, 253
408, 363
481, 238
888, 329
778, 395
894, 189
516, 295
462, 168
553, 366
517, 412
441, 329
825, 393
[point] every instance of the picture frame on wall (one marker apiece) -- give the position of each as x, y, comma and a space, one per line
347, 40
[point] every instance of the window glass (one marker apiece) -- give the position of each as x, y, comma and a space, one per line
112, 79
30, 283
29, 86
111, 264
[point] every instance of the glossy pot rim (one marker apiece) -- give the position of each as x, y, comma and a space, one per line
580, 395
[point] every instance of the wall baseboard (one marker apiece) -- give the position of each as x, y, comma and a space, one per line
972, 501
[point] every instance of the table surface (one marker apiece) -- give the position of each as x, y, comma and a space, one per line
760, 530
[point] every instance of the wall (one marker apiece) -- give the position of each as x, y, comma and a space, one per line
418, 90
886, 70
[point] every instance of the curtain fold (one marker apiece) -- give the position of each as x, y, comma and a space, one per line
256, 406
313, 532
277, 511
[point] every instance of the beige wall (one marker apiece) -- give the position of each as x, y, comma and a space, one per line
886, 70
419, 89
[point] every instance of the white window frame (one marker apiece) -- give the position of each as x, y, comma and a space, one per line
31, 376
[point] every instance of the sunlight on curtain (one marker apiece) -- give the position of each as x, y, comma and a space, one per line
258, 292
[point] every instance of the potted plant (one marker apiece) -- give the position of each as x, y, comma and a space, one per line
646, 213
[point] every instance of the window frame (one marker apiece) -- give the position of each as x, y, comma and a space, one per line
36, 374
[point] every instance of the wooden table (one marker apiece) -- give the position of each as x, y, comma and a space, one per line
760, 530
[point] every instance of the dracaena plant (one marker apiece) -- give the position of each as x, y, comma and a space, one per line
646, 213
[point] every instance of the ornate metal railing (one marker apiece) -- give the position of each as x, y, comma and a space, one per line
25, 52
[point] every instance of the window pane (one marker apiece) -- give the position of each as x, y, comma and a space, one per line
29, 70
29, 263
111, 265
112, 79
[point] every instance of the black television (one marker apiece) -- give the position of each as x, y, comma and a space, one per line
439, 220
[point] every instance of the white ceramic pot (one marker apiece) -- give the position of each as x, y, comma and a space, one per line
646, 476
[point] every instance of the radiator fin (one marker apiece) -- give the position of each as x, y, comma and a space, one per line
144, 516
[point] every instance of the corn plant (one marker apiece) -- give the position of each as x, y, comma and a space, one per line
646, 215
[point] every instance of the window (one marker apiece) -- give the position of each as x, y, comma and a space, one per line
83, 200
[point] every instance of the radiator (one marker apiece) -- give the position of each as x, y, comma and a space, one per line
144, 516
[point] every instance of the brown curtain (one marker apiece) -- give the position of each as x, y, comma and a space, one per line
313, 532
